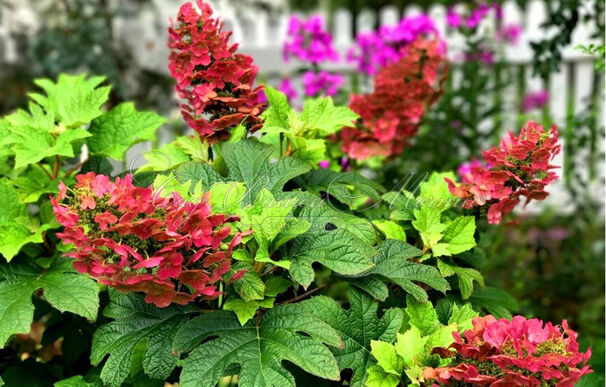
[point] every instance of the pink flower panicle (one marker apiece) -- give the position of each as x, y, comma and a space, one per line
391, 114
308, 41
374, 50
520, 352
519, 167
214, 81
129, 238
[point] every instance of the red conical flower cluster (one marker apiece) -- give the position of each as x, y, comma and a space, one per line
132, 239
520, 352
403, 91
215, 82
518, 167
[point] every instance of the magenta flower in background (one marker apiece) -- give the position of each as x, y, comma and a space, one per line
475, 16
535, 100
376, 49
453, 19
324, 164
510, 34
484, 55
322, 82
307, 40
288, 89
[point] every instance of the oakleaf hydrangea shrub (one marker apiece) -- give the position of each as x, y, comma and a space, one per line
255, 252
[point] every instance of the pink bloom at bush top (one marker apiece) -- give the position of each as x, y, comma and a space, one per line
215, 82
376, 49
391, 114
129, 238
308, 41
535, 100
288, 89
519, 167
520, 352
321, 83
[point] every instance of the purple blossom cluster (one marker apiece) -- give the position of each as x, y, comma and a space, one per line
475, 16
321, 82
535, 100
308, 41
375, 49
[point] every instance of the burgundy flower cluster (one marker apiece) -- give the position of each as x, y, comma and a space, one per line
519, 167
135, 241
520, 352
390, 115
215, 82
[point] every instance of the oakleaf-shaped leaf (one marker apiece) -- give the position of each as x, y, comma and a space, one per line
322, 115
63, 287
357, 326
459, 234
286, 332
249, 161
74, 100
137, 326
392, 264
31, 145
116, 131
335, 249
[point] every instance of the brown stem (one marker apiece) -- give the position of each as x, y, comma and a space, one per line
56, 166
45, 171
269, 271
302, 296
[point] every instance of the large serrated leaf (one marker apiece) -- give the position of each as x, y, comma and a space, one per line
287, 332
137, 324
116, 131
335, 249
249, 161
73, 100
63, 287
392, 264
357, 326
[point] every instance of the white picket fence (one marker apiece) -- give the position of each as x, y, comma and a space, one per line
261, 35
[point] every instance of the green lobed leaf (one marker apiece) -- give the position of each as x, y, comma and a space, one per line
73, 100
422, 315
116, 131
137, 326
495, 301
358, 326
31, 145
322, 115
392, 264
459, 234
63, 287
249, 161
466, 277
286, 332
335, 249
